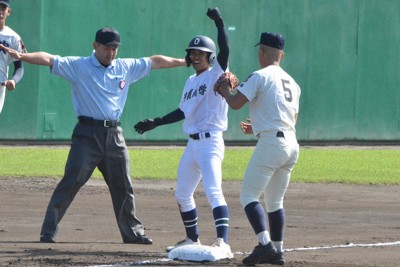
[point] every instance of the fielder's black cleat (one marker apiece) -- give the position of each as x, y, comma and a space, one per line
47, 239
279, 259
264, 254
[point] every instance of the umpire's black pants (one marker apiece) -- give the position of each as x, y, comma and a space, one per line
96, 146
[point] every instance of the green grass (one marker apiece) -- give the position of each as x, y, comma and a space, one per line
316, 165
356, 166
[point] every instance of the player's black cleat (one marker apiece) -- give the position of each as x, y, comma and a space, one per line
264, 254
47, 239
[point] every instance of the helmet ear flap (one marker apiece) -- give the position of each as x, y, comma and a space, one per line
211, 58
187, 58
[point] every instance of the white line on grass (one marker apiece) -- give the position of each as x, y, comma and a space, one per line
350, 245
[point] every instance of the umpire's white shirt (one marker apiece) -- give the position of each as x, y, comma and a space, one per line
100, 92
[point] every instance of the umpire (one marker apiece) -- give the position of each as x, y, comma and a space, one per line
99, 86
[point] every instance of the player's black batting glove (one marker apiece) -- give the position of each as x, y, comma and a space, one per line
187, 59
145, 125
215, 15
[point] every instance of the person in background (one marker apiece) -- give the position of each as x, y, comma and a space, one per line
9, 38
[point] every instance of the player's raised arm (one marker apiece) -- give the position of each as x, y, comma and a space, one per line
222, 37
37, 58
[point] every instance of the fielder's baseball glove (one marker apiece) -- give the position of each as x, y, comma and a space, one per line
227, 78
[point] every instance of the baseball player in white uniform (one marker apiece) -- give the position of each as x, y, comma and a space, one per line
9, 38
205, 120
273, 98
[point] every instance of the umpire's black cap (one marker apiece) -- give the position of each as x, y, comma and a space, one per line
5, 2
274, 40
108, 37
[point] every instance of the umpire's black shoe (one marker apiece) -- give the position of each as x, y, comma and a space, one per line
140, 239
264, 254
47, 239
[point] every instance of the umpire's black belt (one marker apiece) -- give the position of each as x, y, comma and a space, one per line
104, 123
198, 136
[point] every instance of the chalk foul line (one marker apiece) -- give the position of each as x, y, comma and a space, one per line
349, 245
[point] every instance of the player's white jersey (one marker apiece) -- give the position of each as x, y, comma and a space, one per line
9, 38
204, 110
273, 99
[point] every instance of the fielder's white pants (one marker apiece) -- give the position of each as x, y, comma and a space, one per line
2, 96
269, 170
202, 159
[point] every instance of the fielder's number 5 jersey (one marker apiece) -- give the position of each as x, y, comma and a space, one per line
273, 99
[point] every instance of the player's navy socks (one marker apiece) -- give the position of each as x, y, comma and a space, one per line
276, 221
256, 215
221, 219
189, 219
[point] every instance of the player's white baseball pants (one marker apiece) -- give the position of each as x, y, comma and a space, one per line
2, 96
269, 170
201, 159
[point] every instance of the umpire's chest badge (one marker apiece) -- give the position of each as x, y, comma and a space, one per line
122, 84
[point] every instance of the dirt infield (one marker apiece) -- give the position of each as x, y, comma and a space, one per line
327, 225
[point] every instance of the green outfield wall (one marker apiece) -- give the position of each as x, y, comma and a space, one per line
343, 53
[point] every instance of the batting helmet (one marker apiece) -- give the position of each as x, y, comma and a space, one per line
203, 43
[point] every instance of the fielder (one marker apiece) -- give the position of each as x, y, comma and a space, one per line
9, 38
205, 120
273, 98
